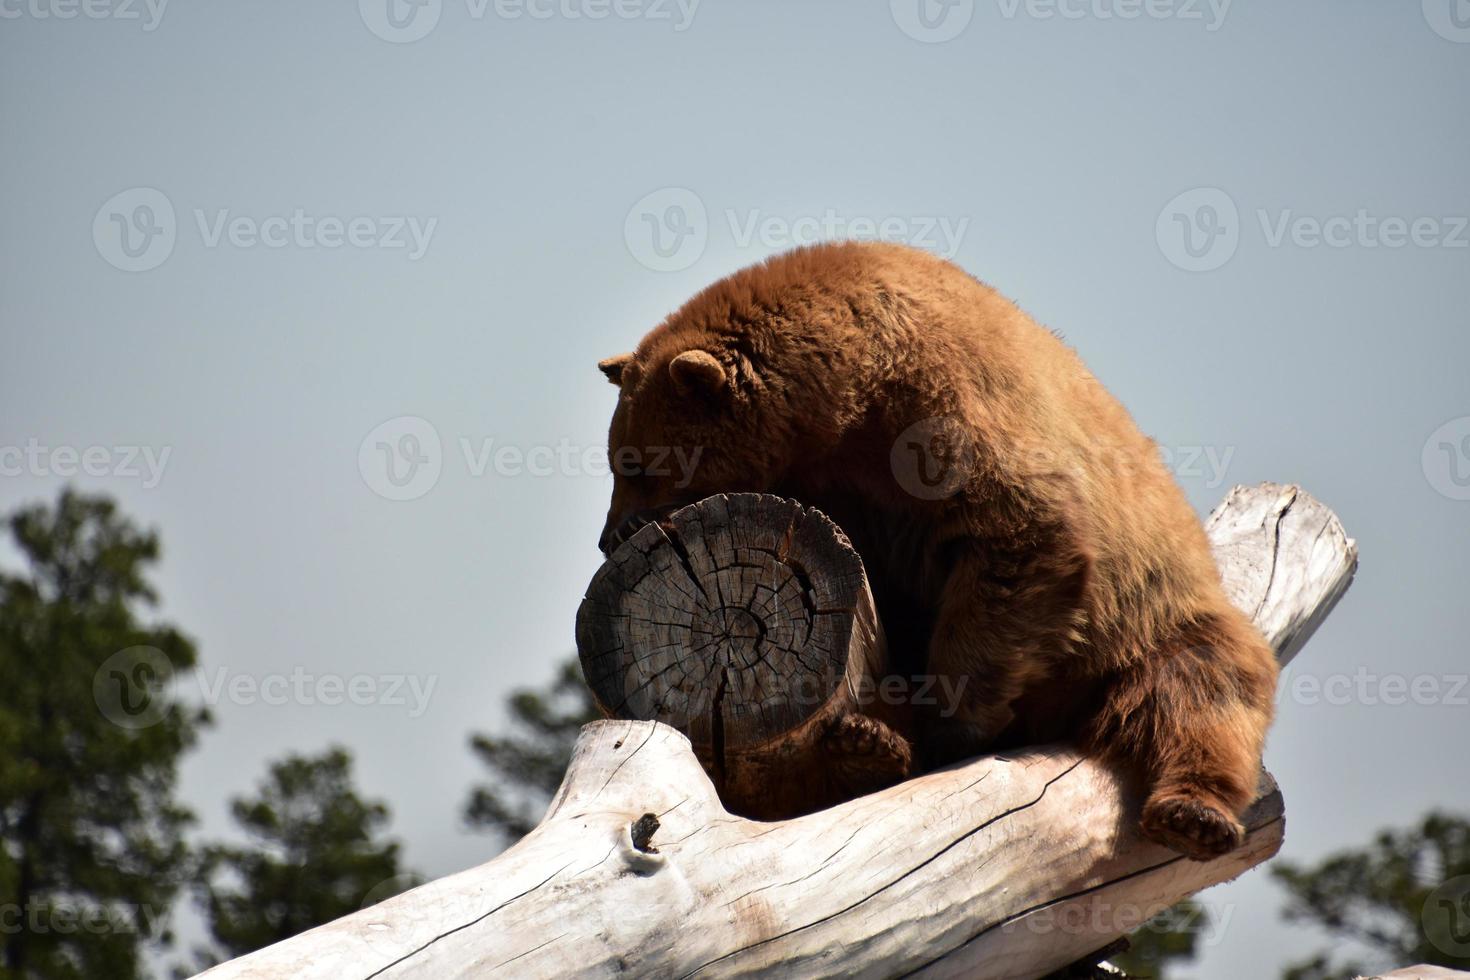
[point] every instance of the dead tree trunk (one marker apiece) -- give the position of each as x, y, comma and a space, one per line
1006, 867
746, 623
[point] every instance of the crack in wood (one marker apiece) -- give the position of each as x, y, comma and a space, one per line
1280, 517
528, 952
717, 730
443, 935
1063, 899
618, 768
909, 872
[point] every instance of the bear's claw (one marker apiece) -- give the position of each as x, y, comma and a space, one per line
867, 745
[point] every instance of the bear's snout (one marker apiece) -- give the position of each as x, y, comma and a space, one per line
616, 530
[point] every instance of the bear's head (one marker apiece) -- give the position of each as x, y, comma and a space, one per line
692, 420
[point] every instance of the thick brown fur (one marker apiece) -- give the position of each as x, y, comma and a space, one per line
1066, 581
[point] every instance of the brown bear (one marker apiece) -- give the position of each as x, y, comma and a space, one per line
1024, 541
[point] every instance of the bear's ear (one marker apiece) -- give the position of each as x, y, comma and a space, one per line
698, 371
613, 367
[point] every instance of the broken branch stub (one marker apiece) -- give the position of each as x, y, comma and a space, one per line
745, 622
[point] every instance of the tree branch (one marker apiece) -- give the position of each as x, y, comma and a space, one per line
1008, 866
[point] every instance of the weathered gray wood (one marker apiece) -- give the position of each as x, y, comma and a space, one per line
746, 622
1252, 531
1008, 866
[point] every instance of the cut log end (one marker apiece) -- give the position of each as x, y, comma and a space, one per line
745, 622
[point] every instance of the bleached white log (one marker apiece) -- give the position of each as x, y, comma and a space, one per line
1008, 866
1284, 558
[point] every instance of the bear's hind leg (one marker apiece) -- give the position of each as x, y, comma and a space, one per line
1193, 720
1007, 616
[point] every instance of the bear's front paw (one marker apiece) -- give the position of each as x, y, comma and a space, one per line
867, 746
1197, 829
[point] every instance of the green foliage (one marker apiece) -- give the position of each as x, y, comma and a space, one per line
313, 856
90, 738
1169, 937
1405, 898
528, 762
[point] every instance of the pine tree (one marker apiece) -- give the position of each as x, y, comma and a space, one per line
314, 855
1404, 899
528, 762
91, 733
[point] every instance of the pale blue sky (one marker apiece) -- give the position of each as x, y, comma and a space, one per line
1042, 150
